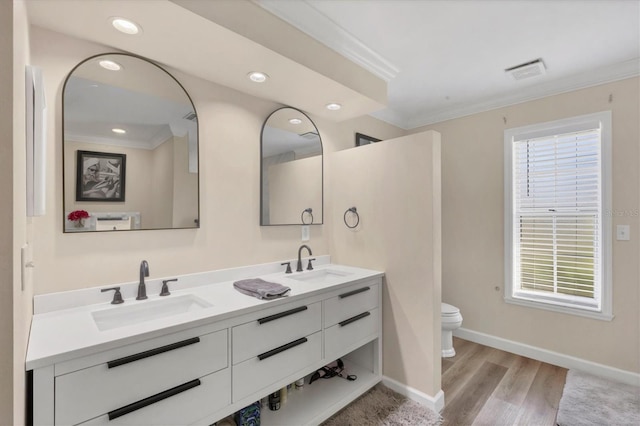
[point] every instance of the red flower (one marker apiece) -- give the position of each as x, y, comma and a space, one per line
77, 215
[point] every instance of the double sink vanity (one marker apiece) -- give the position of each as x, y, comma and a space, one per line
191, 349
206, 350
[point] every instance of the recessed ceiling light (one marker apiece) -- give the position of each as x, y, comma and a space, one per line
125, 26
295, 121
110, 65
119, 131
333, 106
258, 77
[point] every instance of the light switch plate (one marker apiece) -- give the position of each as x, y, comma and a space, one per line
622, 233
305, 233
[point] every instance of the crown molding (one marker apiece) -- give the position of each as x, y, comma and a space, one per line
316, 24
97, 140
608, 74
390, 116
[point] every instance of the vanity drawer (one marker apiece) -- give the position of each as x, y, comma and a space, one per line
190, 402
90, 392
350, 333
271, 331
256, 374
352, 301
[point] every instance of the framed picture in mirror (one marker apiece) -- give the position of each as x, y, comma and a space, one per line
100, 176
364, 139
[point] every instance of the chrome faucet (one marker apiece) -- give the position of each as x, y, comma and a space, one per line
142, 288
299, 268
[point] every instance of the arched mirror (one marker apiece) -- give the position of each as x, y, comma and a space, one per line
290, 170
130, 147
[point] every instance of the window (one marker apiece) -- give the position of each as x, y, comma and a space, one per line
557, 238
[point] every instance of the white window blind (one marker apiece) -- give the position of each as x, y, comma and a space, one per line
557, 210
556, 233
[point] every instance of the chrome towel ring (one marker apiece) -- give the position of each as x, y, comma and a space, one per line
355, 212
310, 211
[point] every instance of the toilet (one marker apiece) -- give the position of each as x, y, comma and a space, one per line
451, 320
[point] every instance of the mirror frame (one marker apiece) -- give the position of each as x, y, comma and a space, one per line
321, 222
64, 86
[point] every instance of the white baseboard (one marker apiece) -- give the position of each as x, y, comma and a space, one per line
436, 403
550, 357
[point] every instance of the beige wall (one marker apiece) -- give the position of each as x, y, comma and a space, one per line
473, 228
230, 124
15, 230
395, 185
292, 189
6, 214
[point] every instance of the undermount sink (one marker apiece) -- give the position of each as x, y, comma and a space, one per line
319, 276
121, 316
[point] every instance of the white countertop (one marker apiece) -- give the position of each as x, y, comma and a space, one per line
63, 333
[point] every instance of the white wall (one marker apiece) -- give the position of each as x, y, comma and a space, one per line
395, 186
473, 228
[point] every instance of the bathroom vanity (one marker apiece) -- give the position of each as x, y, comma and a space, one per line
206, 350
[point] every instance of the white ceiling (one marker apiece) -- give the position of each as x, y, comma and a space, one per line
445, 59
192, 42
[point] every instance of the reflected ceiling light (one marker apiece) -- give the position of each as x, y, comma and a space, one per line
125, 26
110, 65
258, 77
333, 106
119, 131
295, 121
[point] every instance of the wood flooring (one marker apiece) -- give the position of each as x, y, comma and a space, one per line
486, 386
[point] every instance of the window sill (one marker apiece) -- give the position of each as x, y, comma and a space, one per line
602, 316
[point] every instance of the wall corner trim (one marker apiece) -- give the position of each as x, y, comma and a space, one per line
436, 403
544, 355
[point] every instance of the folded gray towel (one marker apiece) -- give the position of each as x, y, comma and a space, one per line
261, 289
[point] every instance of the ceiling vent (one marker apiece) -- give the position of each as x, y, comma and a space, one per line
191, 116
527, 70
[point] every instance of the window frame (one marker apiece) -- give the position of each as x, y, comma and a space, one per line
567, 125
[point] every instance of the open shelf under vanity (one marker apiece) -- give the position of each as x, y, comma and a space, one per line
315, 403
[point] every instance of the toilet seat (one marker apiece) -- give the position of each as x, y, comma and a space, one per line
449, 310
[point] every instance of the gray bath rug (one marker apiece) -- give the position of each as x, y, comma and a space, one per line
383, 407
591, 400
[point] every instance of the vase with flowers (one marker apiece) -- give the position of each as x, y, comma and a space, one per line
78, 217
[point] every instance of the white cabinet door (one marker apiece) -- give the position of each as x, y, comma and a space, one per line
93, 391
192, 403
352, 301
268, 332
351, 333
262, 371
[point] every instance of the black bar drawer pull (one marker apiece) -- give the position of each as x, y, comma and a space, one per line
281, 349
354, 319
282, 314
151, 352
354, 292
153, 399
